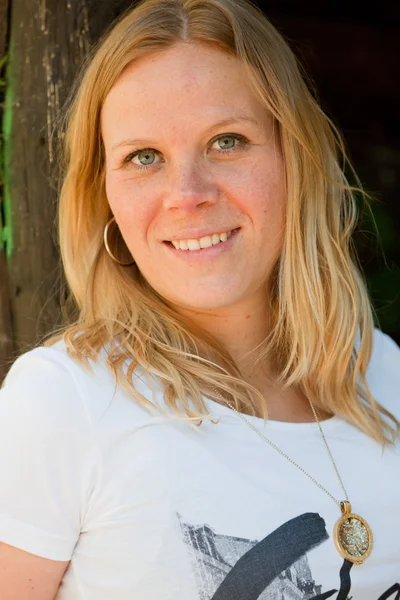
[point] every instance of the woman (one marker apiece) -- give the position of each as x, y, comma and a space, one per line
201, 429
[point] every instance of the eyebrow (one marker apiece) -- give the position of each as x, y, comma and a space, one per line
223, 123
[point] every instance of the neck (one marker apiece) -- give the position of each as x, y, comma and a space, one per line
241, 329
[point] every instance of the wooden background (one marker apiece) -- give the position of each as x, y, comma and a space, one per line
352, 55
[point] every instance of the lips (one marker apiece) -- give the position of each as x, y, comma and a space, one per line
195, 252
199, 235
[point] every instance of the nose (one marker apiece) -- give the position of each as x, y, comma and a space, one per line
189, 187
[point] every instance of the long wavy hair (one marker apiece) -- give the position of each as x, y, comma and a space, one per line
322, 321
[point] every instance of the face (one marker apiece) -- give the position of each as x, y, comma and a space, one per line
194, 177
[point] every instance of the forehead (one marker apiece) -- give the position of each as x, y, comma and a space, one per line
187, 81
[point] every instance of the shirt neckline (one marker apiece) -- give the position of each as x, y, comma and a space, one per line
218, 409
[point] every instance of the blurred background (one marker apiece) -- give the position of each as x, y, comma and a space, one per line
350, 50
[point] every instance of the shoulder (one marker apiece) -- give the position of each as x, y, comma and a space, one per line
48, 381
383, 373
42, 388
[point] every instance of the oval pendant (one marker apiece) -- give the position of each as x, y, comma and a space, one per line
353, 535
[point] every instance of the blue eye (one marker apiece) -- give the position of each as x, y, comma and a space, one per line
231, 142
144, 155
226, 140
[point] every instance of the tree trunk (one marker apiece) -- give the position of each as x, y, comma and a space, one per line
6, 334
49, 40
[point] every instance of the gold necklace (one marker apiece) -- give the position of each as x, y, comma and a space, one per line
352, 534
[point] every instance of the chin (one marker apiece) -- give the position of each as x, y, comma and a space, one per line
203, 301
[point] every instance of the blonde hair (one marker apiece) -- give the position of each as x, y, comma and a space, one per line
321, 317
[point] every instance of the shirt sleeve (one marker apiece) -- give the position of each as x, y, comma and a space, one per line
47, 457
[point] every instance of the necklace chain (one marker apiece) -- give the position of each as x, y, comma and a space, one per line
288, 457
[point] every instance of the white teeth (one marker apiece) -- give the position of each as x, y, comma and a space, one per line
204, 242
193, 244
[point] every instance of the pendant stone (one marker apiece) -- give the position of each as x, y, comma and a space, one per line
353, 536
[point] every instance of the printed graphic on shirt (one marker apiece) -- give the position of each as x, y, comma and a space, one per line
230, 568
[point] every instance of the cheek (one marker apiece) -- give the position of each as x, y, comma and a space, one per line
263, 196
133, 208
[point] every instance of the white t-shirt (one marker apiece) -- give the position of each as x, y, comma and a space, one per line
148, 509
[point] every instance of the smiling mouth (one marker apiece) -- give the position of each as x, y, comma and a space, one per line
201, 243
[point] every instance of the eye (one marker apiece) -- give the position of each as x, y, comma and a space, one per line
145, 157
229, 142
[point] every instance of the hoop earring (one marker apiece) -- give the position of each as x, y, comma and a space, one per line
107, 246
